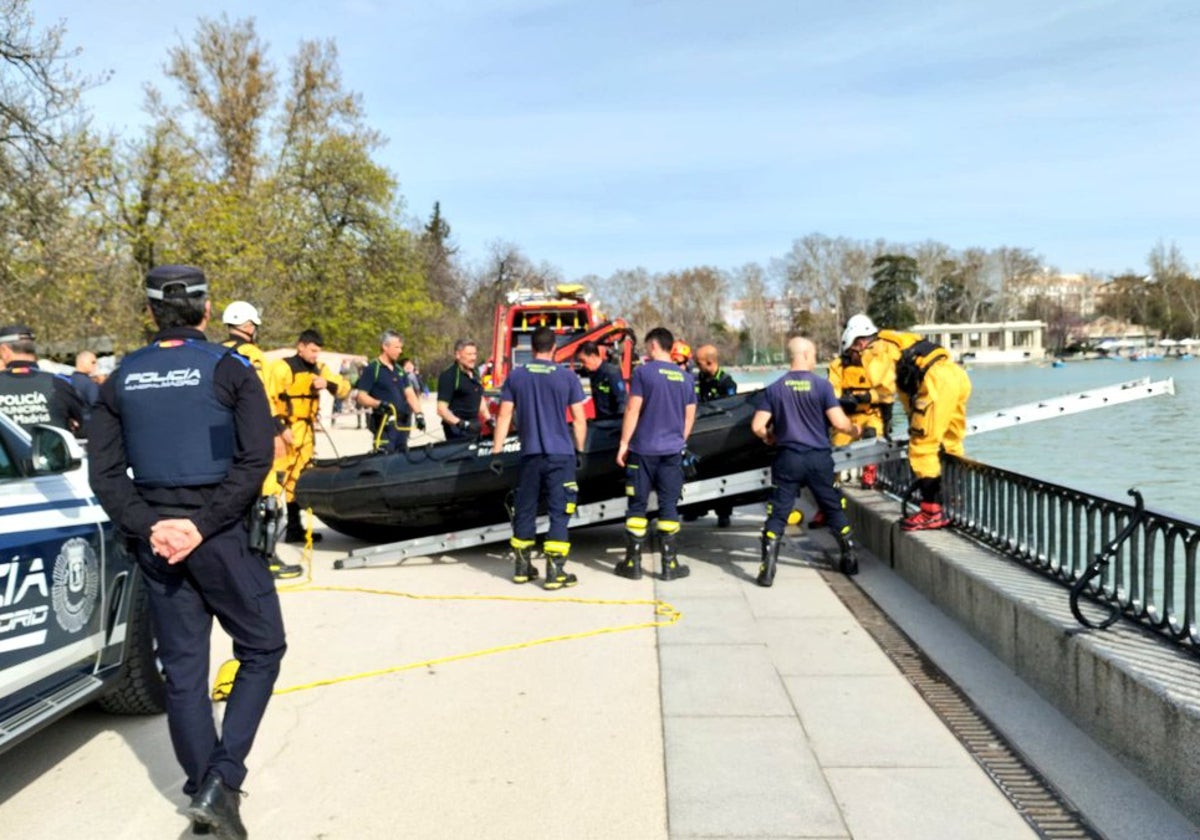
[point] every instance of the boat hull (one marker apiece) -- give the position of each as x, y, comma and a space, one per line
455, 485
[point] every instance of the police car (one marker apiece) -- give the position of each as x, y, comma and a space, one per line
74, 617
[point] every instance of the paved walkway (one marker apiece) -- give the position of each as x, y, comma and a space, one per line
783, 718
760, 713
765, 713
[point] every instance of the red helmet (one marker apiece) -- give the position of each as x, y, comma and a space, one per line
681, 352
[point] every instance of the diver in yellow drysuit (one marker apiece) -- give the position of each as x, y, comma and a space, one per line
296, 386
933, 390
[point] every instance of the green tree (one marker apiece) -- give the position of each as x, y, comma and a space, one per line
893, 290
54, 255
267, 180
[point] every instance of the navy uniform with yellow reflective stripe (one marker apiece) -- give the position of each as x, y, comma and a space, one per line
795, 414
608, 391
180, 442
541, 394
658, 420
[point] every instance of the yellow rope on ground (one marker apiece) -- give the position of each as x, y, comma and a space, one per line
667, 613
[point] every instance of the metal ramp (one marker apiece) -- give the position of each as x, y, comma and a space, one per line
593, 513
858, 454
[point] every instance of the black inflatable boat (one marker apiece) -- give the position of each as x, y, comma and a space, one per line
452, 486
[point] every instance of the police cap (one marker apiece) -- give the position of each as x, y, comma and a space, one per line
12, 333
175, 281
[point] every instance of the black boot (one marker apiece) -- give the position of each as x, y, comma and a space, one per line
631, 566
556, 578
523, 569
848, 565
216, 805
770, 559
283, 571
295, 533
672, 569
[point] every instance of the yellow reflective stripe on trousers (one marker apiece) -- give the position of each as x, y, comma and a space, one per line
636, 525
519, 543
668, 526
557, 548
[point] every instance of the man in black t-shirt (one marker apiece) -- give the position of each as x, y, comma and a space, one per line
460, 394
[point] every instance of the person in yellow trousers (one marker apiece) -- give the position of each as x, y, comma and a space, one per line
933, 390
859, 400
296, 386
243, 320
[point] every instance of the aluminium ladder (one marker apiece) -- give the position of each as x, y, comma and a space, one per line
858, 454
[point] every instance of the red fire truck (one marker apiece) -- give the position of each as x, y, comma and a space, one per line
568, 311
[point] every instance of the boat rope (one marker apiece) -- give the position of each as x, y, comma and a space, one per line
664, 616
1102, 559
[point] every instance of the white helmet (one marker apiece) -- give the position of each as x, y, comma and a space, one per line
857, 327
239, 312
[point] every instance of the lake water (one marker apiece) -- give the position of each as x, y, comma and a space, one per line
1150, 444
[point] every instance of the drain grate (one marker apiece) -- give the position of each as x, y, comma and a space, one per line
1044, 808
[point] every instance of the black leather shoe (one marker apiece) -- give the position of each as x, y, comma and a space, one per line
200, 828
216, 807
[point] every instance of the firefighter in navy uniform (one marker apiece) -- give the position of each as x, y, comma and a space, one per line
712, 383
794, 414
654, 433
542, 394
608, 387
29, 395
181, 440
243, 320
296, 388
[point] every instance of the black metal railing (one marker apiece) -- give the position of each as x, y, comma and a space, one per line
1150, 577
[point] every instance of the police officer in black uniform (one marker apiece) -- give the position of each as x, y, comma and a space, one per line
608, 388
29, 395
189, 419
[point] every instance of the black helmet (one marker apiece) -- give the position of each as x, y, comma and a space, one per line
12, 333
175, 281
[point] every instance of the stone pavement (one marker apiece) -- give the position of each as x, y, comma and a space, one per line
783, 718
760, 713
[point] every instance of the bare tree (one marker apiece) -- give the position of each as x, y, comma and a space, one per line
227, 79
757, 322
1017, 267
935, 264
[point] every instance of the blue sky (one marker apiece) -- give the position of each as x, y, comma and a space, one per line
601, 136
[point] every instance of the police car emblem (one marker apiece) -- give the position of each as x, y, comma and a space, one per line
76, 584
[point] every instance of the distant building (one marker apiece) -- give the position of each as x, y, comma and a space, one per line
778, 314
1116, 334
998, 342
1077, 293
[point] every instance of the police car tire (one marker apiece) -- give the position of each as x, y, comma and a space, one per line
141, 689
